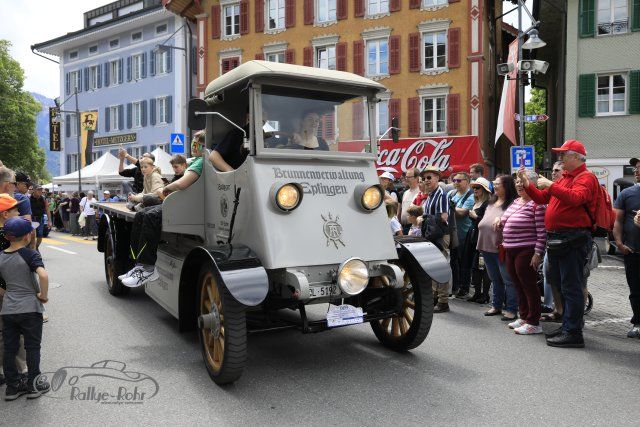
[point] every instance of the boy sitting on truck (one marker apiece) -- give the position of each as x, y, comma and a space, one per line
147, 224
152, 180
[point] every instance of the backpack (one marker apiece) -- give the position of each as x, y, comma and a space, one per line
600, 212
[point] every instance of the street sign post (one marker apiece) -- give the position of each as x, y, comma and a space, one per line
523, 155
177, 143
532, 118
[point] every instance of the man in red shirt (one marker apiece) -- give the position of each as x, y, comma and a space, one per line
568, 225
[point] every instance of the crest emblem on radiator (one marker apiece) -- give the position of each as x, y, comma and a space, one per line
332, 230
224, 206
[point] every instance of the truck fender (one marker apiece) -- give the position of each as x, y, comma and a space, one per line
238, 268
103, 226
427, 257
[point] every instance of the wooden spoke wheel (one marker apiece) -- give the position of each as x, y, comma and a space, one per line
113, 266
410, 327
222, 329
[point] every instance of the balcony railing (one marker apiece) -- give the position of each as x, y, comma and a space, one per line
616, 27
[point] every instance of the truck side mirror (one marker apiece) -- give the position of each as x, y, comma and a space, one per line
395, 132
195, 121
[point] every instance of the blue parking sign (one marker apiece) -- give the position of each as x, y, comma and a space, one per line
523, 155
177, 143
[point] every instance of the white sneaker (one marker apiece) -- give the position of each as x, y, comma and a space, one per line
527, 329
140, 277
516, 324
129, 273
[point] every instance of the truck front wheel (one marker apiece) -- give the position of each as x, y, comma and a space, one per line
409, 328
222, 329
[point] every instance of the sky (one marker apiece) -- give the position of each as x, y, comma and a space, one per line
27, 22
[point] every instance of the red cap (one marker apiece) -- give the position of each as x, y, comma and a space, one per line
571, 145
7, 202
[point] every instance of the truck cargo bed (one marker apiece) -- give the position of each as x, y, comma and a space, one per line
116, 209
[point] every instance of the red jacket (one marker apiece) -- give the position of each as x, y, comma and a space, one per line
567, 199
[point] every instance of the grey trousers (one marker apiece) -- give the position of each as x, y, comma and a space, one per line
74, 228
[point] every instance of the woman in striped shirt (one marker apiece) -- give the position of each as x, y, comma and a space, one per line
524, 238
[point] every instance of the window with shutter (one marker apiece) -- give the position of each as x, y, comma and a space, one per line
414, 4
260, 56
394, 110
587, 18
307, 56
395, 5
414, 52
634, 92
244, 17
611, 96
413, 108
635, 15
358, 57
453, 39
612, 17
453, 114
358, 8
326, 57
129, 115
394, 54
290, 13
258, 11
587, 95
308, 11
434, 117
106, 74
290, 56
358, 120
326, 11
215, 21
231, 20
341, 56
342, 9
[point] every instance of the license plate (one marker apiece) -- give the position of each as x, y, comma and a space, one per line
345, 314
323, 291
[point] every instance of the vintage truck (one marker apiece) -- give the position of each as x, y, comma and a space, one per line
291, 227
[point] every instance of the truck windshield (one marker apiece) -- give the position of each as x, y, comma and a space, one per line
323, 121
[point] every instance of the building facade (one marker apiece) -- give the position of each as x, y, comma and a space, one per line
137, 89
432, 55
603, 83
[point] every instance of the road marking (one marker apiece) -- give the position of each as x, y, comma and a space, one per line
77, 240
611, 267
606, 321
62, 250
51, 241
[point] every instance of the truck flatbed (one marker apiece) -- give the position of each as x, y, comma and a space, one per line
117, 209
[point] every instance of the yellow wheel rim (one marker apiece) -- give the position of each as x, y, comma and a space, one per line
398, 326
213, 345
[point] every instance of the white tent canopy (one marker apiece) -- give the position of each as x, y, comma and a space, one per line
89, 174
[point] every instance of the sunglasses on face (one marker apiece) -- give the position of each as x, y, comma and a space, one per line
426, 178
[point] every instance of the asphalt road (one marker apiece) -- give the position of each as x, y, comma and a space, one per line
471, 370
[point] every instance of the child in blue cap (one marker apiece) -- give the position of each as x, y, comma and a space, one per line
27, 286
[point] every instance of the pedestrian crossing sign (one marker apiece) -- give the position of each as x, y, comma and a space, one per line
177, 143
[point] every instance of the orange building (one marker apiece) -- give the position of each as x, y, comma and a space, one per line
434, 56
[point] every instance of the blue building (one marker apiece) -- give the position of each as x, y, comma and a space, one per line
128, 65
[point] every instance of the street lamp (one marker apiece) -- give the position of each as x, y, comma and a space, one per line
77, 115
534, 42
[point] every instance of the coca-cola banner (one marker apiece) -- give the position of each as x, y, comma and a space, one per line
449, 154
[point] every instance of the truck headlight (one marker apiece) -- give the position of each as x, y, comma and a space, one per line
368, 197
353, 276
286, 196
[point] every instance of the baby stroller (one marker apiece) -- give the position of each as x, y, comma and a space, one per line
593, 259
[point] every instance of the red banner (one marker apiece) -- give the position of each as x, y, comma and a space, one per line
449, 154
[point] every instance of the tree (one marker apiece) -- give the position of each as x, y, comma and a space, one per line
19, 148
536, 133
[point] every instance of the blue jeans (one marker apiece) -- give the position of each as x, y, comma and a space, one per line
567, 270
28, 325
504, 292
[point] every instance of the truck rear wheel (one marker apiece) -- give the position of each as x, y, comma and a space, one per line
411, 326
222, 329
113, 266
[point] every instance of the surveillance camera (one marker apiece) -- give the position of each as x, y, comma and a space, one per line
506, 68
533, 65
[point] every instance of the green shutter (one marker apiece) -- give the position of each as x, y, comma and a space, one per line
587, 95
634, 92
588, 18
635, 15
